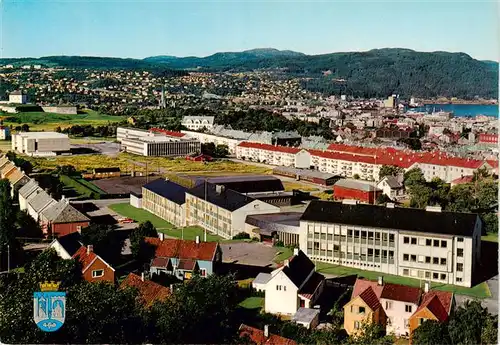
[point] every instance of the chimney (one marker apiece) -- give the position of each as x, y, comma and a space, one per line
286, 262
90, 249
380, 280
142, 276
161, 236
197, 239
171, 288
266, 331
295, 251
427, 287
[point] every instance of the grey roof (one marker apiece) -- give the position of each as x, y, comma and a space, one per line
268, 223
245, 183
40, 200
304, 172
392, 181
168, 189
227, 199
262, 278
352, 184
28, 188
305, 315
402, 218
17, 92
63, 212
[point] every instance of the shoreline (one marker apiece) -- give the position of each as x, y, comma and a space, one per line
463, 102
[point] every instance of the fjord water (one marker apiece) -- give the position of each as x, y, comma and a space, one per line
460, 110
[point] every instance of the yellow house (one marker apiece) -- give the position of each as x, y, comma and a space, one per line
365, 307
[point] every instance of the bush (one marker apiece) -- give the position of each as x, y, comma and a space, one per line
279, 244
241, 236
255, 239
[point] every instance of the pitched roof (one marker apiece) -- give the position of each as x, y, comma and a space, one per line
257, 336
312, 284
401, 293
71, 242
463, 179
298, 269
227, 199
362, 284
168, 189
87, 258
63, 212
159, 262
352, 184
187, 264
267, 147
40, 200
438, 302
392, 181
149, 291
28, 188
370, 298
183, 249
410, 219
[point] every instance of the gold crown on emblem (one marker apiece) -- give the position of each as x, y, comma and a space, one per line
49, 286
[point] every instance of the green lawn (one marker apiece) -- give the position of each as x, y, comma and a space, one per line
190, 233
252, 303
283, 253
491, 237
90, 186
478, 291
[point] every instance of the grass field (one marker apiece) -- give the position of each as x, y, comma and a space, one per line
491, 237
126, 161
41, 121
283, 253
90, 185
478, 291
289, 186
140, 215
5, 145
252, 303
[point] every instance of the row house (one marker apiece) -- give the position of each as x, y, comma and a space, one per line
431, 245
273, 154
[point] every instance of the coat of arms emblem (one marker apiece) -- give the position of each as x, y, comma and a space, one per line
49, 307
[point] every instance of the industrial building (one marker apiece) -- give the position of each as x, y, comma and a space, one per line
40, 143
313, 176
357, 190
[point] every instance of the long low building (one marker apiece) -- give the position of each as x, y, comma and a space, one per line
161, 146
40, 143
284, 227
431, 245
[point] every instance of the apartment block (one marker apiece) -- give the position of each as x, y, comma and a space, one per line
166, 200
429, 244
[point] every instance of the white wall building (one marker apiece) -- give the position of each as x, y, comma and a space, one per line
198, 122
437, 246
4, 133
40, 143
161, 146
18, 97
204, 138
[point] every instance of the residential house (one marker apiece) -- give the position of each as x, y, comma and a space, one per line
149, 291
94, 268
66, 246
99, 173
429, 243
166, 200
392, 187
436, 305
263, 337
183, 258
37, 202
363, 308
220, 210
294, 285
198, 122
61, 219
25, 192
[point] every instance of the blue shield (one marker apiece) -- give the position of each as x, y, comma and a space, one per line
49, 310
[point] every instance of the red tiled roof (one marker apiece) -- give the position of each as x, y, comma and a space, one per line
149, 291
84, 257
465, 179
167, 132
362, 284
401, 293
187, 265
370, 298
267, 147
183, 249
257, 336
438, 303
159, 262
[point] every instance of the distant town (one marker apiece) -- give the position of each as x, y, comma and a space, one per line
243, 205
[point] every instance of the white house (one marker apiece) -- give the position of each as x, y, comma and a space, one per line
294, 285
391, 187
18, 97
198, 122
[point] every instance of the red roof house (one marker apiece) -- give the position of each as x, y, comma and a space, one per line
149, 291
263, 337
94, 268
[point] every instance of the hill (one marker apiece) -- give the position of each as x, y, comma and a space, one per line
377, 72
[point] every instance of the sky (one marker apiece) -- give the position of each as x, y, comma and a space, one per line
138, 29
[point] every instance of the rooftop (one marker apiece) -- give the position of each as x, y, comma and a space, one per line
227, 199
305, 315
168, 189
37, 135
149, 291
183, 249
353, 184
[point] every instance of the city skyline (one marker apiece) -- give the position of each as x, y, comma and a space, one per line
202, 28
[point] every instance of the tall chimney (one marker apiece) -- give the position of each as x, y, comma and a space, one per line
161, 236
90, 249
380, 280
171, 288
197, 239
142, 276
286, 262
295, 251
266, 331
427, 287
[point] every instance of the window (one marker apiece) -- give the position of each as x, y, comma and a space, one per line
428, 242
443, 276
460, 252
460, 267
203, 272
435, 261
413, 240
406, 272
408, 308
406, 240
413, 258
443, 261
459, 280
460, 239
388, 305
406, 257
435, 276
370, 252
428, 275
391, 237
361, 310
407, 324
278, 287
421, 320
284, 287
444, 244
356, 324
427, 259
436, 243
97, 273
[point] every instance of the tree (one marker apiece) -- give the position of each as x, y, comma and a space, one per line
388, 170
431, 333
371, 333
67, 170
28, 227
8, 243
140, 250
221, 151
382, 199
414, 177
466, 325
105, 240
25, 127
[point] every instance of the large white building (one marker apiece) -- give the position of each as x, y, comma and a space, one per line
273, 154
133, 133
198, 122
161, 146
18, 97
40, 143
204, 138
430, 245
166, 200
